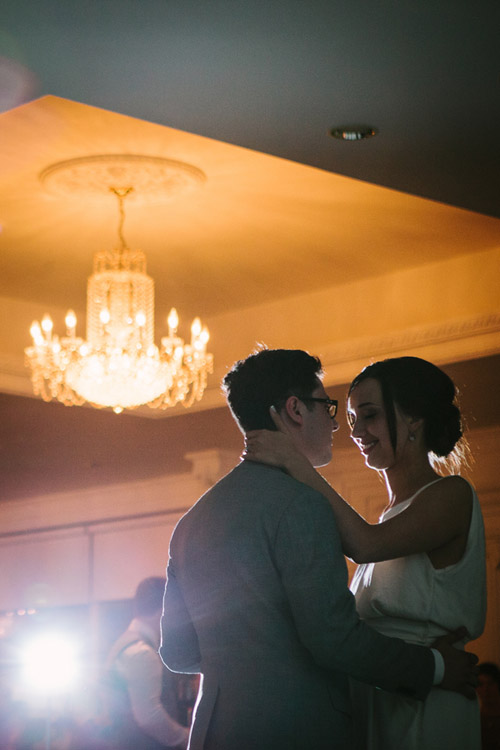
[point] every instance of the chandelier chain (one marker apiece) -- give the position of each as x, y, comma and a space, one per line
121, 194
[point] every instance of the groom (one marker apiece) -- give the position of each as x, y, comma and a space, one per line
257, 597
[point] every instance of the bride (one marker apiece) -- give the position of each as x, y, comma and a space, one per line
421, 569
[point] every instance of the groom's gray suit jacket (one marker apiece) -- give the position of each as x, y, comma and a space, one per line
257, 601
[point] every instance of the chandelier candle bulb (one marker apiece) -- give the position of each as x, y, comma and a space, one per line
70, 321
195, 331
47, 326
173, 322
36, 333
201, 341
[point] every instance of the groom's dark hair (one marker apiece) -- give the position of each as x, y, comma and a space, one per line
267, 378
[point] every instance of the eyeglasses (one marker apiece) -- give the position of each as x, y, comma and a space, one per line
331, 405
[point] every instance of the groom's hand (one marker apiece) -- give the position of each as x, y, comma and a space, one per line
460, 671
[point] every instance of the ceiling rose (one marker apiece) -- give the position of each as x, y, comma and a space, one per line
154, 178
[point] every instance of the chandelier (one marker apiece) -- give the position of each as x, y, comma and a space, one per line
119, 366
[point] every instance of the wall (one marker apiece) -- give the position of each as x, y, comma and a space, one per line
92, 545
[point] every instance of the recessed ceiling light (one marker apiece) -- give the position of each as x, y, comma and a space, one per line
353, 132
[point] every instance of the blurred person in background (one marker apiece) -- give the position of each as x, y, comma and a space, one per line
148, 705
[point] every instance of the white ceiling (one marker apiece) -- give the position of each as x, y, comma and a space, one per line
257, 228
246, 92
276, 75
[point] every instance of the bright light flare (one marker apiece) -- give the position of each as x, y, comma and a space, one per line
50, 664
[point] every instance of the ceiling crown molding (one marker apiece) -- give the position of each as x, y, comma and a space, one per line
447, 341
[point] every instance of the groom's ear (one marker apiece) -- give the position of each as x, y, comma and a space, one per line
293, 410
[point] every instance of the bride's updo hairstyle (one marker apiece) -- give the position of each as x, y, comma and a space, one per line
423, 391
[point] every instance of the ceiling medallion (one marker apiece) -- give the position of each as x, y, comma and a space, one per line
154, 178
119, 366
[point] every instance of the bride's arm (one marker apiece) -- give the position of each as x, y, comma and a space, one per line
276, 449
438, 515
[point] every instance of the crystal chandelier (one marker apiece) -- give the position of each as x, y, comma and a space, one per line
119, 366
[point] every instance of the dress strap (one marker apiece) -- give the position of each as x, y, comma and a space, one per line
429, 484
400, 507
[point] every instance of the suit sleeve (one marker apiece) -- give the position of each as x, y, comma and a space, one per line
313, 570
179, 648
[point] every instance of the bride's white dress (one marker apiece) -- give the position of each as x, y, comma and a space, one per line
410, 599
